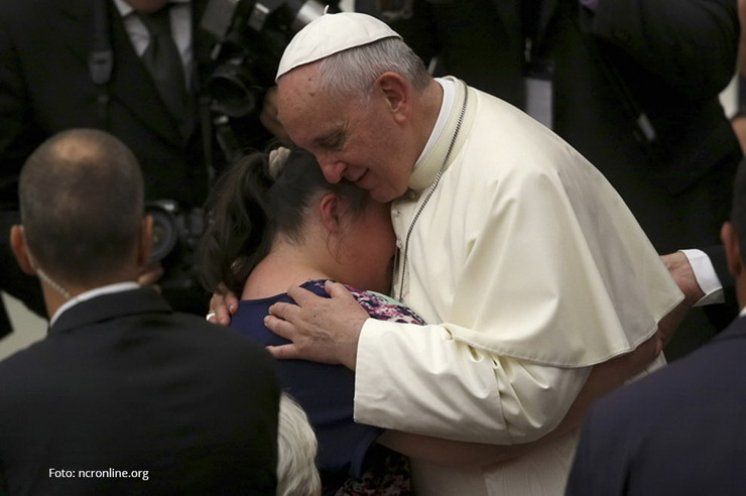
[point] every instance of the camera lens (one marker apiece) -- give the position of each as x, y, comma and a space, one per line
233, 89
165, 233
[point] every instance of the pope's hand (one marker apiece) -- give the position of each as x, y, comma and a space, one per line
681, 271
321, 329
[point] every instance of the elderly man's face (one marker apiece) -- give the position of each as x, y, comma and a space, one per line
147, 6
358, 141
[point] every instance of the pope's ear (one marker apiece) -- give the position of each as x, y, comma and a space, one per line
329, 212
398, 93
20, 250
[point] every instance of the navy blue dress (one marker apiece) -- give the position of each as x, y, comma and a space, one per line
326, 392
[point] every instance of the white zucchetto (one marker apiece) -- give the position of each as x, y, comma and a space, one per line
330, 34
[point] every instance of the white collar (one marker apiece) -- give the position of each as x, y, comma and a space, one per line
92, 293
449, 96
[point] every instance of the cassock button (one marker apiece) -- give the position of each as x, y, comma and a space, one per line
399, 244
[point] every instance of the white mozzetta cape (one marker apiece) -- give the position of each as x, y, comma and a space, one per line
533, 269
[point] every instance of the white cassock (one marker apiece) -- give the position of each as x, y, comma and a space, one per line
534, 269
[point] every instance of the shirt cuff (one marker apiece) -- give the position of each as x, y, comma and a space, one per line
706, 277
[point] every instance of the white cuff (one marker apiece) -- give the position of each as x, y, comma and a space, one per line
706, 277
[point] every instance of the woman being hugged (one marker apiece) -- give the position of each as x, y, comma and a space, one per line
275, 223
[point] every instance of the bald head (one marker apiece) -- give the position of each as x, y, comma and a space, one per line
81, 196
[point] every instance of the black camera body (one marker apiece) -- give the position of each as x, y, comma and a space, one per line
176, 234
250, 36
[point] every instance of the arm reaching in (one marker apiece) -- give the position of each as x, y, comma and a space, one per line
223, 305
681, 270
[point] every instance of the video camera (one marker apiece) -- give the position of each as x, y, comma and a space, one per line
250, 36
176, 234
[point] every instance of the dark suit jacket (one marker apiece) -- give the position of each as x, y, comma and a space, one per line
679, 432
121, 382
46, 87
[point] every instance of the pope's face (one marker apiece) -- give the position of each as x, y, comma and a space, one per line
351, 138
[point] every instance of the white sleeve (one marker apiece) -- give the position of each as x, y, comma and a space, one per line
419, 379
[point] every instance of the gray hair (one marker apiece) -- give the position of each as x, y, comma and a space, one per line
353, 71
296, 452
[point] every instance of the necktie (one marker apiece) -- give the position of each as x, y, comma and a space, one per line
162, 59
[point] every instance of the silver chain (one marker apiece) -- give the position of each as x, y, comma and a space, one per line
431, 191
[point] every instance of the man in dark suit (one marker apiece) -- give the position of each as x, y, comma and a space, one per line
631, 84
122, 383
681, 430
47, 84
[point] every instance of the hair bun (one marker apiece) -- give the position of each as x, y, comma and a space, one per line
277, 160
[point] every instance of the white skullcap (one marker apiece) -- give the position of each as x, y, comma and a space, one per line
330, 34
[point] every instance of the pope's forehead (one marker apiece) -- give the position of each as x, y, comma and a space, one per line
299, 91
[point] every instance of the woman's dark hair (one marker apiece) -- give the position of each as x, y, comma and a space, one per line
247, 207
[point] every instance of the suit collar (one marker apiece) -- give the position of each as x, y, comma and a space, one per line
87, 295
111, 306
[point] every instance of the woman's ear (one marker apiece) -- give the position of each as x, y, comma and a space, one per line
329, 210
20, 250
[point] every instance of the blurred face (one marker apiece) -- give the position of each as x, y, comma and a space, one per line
367, 247
351, 139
